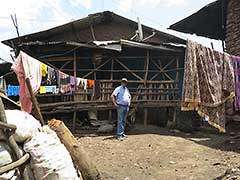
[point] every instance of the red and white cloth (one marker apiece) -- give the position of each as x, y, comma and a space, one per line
25, 67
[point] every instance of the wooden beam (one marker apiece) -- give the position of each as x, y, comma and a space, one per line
162, 69
147, 59
87, 58
147, 66
111, 86
129, 70
177, 67
142, 81
120, 70
4, 125
36, 109
75, 75
145, 116
88, 74
66, 63
74, 121
15, 164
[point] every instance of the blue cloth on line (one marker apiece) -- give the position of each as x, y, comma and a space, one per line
51, 89
12, 90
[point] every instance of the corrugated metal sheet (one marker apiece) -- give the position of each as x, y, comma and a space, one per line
210, 21
102, 26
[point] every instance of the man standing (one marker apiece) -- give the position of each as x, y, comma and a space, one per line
121, 99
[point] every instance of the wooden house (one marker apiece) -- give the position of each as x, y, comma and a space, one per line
106, 47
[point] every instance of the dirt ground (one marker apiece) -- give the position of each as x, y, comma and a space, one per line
162, 154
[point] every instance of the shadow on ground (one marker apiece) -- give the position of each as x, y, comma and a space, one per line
205, 136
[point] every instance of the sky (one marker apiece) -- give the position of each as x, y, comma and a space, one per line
36, 15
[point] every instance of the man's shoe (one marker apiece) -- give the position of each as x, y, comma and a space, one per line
120, 138
124, 135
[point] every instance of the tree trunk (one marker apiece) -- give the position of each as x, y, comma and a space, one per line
79, 156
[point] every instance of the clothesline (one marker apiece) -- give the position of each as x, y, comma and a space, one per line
44, 79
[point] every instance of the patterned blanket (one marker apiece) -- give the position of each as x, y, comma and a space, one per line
208, 83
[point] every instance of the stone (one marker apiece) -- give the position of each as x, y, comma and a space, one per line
175, 131
216, 164
108, 128
234, 177
230, 171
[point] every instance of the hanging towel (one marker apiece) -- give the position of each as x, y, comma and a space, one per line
12, 90
90, 83
27, 67
73, 82
208, 83
83, 83
52, 76
51, 89
44, 68
64, 82
42, 90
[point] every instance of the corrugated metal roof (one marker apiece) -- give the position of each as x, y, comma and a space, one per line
82, 30
210, 21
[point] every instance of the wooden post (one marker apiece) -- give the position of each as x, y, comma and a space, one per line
146, 67
75, 64
79, 156
145, 116
111, 85
177, 75
174, 122
36, 109
75, 75
74, 120
11, 141
176, 95
145, 85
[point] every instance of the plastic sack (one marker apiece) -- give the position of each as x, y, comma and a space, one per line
26, 124
50, 160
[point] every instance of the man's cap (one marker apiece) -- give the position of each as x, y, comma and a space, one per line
124, 79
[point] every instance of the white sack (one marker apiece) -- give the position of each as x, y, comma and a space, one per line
26, 124
50, 159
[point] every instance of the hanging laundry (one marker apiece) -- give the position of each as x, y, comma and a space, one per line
82, 83
73, 82
208, 83
64, 82
236, 66
42, 90
12, 90
51, 89
3, 84
90, 83
52, 76
27, 67
44, 68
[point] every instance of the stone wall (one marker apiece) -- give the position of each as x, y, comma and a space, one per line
233, 28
